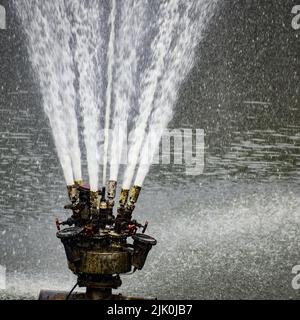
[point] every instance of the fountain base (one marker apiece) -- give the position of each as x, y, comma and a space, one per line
97, 248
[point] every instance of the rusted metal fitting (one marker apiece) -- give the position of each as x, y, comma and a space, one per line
123, 197
134, 194
73, 192
94, 200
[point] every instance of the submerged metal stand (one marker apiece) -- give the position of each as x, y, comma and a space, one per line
96, 244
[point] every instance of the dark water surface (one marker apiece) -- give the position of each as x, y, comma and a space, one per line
232, 232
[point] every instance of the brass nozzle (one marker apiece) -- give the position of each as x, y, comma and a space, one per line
73, 192
94, 199
134, 194
111, 193
78, 183
123, 197
111, 189
103, 205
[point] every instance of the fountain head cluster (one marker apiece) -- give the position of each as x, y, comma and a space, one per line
96, 241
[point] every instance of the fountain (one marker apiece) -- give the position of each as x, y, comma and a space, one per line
130, 57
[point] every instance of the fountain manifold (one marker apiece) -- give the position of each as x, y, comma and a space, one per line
96, 242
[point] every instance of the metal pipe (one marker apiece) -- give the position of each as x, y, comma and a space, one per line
123, 197
94, 200
73, 193
102, 194
130, 206
134, 194
111, 193
103, 213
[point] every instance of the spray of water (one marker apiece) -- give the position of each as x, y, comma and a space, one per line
131, 31
48, 33
110, 63
177, 63
154, 44
168, 17
88, 55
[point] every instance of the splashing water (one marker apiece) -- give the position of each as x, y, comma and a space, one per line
109, 87
137, 68
180, 25
48, 32
131, 31
167, 20
88, 53
177, 63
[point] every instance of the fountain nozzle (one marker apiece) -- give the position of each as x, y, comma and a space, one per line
103, 212
133, 198
123, 197
111, 193
134, 195
103, 194
73, 193
78, 183
94, 200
